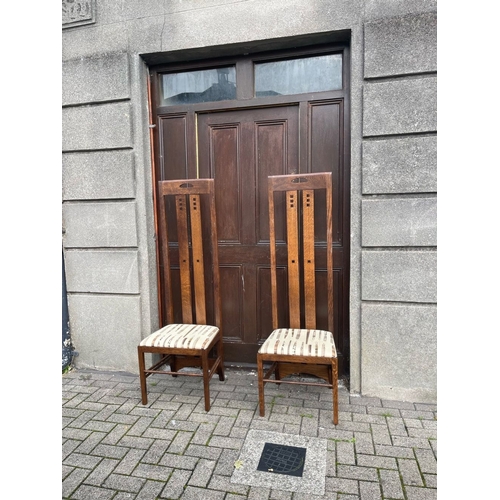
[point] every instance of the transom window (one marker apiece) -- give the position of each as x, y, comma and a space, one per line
318, 73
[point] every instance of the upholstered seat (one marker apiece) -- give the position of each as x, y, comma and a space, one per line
300, 342
182, 336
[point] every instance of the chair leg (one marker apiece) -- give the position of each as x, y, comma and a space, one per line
260, 375
206, 379
142, 377
335, 384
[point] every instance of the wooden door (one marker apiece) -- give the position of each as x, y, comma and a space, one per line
239, 149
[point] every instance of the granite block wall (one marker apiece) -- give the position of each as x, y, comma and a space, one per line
399, 219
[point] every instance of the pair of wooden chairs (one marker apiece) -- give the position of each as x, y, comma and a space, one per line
194, 339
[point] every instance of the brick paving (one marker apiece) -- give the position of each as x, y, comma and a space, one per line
115, 448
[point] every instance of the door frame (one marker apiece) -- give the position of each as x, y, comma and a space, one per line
245, 100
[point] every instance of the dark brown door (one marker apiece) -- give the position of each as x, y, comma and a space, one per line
240, 142
239, 149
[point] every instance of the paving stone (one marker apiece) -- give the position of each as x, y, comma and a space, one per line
380, 434
124, 495
90, 442
369, 491
203, 451
426, 461
66, 471
101, 472
391, 484
414, 493
116, 434
176, 484
130, 461
363, 442
409, 472
73, 481
394, 451
377, 462
257, 493
264, 425
150, 490
105, 450
422, 433
280, 495
78, 434
430, 480
335, 484
124, 419
410, 442
224, 426
156, 451
194, 493
397, 427
83, 461
180, 442
291, 429
225, 464
203, 433
355, 472
345, 453
126, 483
86, 492
202, 473
223, 442
135, 442
224, 483
148, 471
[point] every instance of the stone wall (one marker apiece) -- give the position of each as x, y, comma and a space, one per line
398, 208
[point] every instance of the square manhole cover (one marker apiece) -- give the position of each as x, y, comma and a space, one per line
282, 459
298, 463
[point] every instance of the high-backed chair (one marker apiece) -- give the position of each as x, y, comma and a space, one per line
191, 262
298, 347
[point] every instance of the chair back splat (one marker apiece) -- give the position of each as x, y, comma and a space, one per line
196, 339
298, 346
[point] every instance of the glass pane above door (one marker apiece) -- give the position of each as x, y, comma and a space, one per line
198, 86
299, 76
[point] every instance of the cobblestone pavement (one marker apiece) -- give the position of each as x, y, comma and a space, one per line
116, 448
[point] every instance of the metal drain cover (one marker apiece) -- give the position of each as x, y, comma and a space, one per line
282, 459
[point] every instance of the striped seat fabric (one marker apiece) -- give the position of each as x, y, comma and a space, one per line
300, 342
181, 336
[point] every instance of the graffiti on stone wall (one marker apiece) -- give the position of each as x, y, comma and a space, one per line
77, 12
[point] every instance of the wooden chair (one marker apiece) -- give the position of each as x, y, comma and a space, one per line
299, 347
190, 342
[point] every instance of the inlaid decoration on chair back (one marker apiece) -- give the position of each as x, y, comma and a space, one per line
195, 253
301, 191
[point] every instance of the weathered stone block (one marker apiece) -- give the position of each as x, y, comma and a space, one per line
95, 79
403, 222
94, 41
399, 352
98, 175
400, 276
401, 45
100, 224
400, 165
400, 107
102, 271
377, 9
103, 126
105, 331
